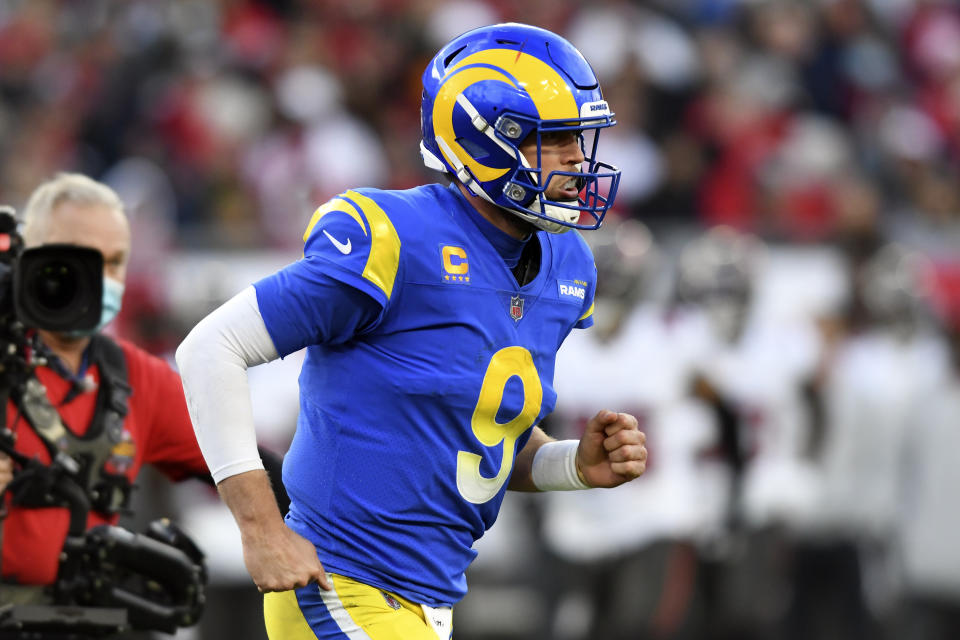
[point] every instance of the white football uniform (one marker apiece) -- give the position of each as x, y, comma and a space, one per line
646, 370
762, 376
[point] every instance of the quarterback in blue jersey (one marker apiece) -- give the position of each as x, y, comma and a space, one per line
431, 319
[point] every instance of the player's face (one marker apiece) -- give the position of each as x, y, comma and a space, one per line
96, 226
559, 151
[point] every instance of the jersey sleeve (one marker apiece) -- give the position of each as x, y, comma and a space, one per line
344, 281
158, 399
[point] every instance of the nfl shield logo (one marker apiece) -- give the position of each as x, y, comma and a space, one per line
516, 307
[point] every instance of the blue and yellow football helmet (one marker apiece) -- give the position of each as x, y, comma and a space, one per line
489, 89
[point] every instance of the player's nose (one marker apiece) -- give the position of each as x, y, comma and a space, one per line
572, 154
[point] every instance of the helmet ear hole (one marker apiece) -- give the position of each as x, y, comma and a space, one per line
475, 150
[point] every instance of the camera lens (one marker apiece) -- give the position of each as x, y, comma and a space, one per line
58, 287
55, 286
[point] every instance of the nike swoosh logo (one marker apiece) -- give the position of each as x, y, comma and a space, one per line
342, 247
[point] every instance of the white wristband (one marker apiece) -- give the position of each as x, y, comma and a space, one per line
555, 467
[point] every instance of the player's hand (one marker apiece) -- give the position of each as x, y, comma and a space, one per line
277, 558
283, 560
6, 471
611, 450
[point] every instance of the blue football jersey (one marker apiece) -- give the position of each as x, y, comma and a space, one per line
427, 366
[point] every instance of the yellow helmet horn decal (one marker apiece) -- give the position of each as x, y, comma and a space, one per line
443, 118
547, 89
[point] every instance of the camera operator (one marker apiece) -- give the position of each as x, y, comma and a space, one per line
74, 209
97, 385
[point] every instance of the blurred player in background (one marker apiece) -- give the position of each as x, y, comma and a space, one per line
889, 361
755, 378
432, 318
624, 557
929, 559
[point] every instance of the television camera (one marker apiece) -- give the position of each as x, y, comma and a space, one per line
109, 579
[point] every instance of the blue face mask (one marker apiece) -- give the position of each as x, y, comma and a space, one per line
112, 299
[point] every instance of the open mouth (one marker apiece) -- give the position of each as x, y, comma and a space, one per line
570, 189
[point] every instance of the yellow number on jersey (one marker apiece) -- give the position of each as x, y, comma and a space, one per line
506, 363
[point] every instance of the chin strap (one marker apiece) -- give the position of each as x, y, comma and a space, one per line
550, 211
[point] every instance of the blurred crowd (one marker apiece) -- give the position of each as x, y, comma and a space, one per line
782, 264
223, 124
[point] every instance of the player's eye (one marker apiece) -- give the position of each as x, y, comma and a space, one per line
559, 138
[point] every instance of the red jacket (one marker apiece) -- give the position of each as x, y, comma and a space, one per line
160, 433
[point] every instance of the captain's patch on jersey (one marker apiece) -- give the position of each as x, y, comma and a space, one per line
456, 268
576, 289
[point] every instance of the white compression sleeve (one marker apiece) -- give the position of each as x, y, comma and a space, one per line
213, 361
555, 467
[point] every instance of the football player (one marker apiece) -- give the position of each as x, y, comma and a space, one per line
881, 398
755, 381
624, 558
431, 319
